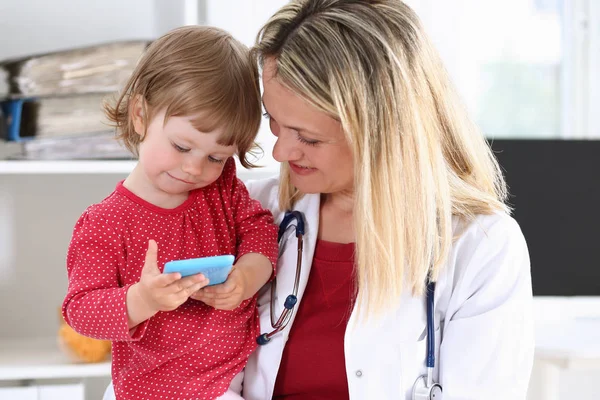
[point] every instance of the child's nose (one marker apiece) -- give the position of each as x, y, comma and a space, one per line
192, 167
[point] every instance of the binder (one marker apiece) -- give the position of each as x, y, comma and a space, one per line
54, 116
99, 68
12, 110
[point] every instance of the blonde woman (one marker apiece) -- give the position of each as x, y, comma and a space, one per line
398, 188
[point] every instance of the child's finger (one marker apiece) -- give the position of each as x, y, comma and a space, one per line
164, 280
201, 297
224, 288
151, 263
204, 294
196, 287
187, 284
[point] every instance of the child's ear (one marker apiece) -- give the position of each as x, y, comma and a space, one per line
137, 115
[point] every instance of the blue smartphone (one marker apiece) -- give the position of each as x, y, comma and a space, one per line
215, 268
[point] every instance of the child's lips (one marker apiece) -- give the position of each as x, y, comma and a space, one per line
181, 180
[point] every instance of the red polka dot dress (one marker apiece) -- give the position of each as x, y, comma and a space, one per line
194, 351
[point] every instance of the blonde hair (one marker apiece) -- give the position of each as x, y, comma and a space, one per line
418, 158
194, 71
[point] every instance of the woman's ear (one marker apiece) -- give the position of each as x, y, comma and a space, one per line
138, 116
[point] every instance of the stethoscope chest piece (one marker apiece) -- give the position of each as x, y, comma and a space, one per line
423, 392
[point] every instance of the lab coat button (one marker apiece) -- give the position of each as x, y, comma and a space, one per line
358, 373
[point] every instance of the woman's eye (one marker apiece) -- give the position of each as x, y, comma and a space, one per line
179, 148
215, 160
307, 141
266, 115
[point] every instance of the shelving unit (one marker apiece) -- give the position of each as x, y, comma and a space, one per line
65, 167
39, 204
35, 359
40, 201
11, 167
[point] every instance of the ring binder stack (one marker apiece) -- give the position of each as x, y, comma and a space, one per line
53, 103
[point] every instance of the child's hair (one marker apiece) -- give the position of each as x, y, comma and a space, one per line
194, 71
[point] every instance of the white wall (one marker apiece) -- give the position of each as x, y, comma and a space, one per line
243, 19
41, 212
35, 26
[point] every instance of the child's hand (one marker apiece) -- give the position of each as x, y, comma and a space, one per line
156, 291
226, 296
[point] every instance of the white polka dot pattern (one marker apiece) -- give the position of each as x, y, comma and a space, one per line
194, 351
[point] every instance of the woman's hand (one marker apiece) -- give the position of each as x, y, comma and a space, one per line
247, 276
156, 291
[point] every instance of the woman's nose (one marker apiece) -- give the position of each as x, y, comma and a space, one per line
285, 148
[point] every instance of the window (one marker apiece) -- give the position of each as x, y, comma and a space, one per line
548, 5
523, 67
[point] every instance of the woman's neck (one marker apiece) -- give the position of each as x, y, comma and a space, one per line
336, 218
341, 201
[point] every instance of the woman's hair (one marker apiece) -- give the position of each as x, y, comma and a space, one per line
418, 158
194, 71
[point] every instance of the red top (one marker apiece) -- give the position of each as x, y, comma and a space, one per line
313, 365
195, 350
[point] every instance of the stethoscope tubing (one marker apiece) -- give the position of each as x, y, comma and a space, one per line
291, 300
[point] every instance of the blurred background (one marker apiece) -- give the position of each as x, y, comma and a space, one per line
526, 69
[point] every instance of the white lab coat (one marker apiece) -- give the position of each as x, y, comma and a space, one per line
483, 318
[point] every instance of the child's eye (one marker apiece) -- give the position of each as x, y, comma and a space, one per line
266, 115
179, 148
215, 160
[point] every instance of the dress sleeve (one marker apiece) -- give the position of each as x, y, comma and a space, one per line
256, 231
487, 340
95, 304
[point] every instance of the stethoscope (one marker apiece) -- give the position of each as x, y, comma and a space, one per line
424, 388
292, 299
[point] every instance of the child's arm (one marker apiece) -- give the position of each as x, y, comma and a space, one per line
97, 305
248, 275
255, 229
256, 250
95, 301
257, 270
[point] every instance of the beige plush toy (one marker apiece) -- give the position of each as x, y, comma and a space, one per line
79, 348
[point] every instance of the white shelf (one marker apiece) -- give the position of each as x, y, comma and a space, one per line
42, 359
65, 167
14, 167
